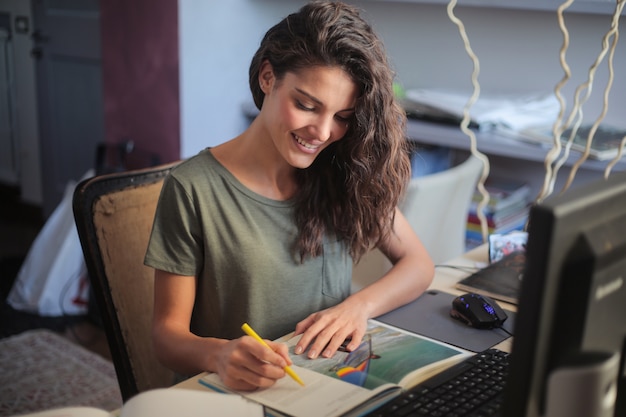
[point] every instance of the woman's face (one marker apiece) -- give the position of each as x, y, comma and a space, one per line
306, 111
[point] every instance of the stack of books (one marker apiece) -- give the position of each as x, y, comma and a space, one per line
506, 211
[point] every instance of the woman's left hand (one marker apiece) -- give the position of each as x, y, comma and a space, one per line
326, 330
411, 274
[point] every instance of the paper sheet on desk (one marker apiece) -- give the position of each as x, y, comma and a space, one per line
511, 112
429, 316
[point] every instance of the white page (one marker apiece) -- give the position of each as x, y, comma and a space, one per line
70, 412
169, 402
321, 395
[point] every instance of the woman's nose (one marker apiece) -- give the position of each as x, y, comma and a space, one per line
324, 128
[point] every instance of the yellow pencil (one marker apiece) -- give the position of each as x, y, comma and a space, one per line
246, 328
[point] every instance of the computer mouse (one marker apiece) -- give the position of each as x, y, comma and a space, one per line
478, 311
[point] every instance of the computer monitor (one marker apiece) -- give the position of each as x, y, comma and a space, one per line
572, 305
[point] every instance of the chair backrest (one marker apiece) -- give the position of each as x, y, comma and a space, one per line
436, 206
114, 215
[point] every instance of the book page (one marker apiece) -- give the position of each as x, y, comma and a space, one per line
387, 355
168, 402
70, 412
320, 396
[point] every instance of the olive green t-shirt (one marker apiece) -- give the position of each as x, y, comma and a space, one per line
240, 246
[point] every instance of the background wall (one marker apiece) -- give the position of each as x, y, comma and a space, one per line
140, 76
518, 52
217, 41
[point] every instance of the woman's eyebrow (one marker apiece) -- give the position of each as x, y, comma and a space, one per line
318, 101
313, 98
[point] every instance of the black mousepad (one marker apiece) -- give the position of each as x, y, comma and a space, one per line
429, 316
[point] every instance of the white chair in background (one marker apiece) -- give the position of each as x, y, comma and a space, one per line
436, 206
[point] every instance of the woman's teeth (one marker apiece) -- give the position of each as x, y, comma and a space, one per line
303, 143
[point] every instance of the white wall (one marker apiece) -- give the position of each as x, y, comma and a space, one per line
217, 41
518, 52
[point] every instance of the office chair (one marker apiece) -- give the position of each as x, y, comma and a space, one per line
436, 206
114, 215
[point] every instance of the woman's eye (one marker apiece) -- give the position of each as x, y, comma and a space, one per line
302, 106
343, 119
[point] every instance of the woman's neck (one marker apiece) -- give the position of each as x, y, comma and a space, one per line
253, 159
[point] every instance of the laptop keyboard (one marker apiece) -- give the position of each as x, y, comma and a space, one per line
470, 388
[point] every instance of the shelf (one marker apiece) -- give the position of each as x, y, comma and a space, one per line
578, 6
492, 143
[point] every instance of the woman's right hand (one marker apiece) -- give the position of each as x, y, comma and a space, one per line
245, 364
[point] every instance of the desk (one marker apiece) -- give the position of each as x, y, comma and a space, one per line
445, 278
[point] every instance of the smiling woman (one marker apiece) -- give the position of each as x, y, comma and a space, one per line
303, 113
264, 228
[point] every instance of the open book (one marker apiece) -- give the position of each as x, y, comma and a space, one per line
166, 403
388, 361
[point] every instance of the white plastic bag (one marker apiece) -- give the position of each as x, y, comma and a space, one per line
53, 280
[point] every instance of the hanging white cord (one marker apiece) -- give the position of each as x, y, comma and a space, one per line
611, 164
466, 120
576, 114
557, 128
575, 117
613, 32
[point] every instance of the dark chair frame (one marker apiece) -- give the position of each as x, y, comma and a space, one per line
87, 196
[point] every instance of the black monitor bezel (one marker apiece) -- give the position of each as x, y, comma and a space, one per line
558, 245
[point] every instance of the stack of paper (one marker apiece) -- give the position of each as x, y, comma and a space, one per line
509, 112
605, 143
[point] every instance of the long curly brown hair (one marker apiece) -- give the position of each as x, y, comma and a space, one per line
353, 186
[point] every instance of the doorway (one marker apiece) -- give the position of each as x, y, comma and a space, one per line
69, 82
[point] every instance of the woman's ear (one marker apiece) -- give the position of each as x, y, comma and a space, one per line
266, 77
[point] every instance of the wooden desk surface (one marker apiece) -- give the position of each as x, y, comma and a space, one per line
445, 279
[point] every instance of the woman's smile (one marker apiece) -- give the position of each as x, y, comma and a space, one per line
308, 147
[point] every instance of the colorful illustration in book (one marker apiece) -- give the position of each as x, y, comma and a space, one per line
386, 355
355, 367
